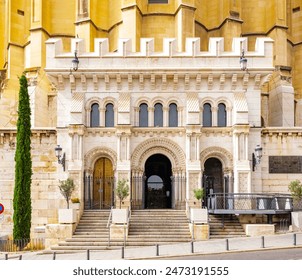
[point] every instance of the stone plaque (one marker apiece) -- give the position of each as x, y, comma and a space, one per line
285, 164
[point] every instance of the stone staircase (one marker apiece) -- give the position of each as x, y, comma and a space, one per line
147, 227
151, 227
225, 227
91, 233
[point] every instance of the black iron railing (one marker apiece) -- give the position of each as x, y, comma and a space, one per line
250, 202
33, 244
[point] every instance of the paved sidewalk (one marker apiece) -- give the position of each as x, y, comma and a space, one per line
213, 246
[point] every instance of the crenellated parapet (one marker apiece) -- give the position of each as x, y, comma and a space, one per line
147, 58
124, 70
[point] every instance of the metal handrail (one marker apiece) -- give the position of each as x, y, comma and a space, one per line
250, 201
127, 225
108, 225
109, 218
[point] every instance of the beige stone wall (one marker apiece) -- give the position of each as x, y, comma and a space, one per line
279, 142
46, 199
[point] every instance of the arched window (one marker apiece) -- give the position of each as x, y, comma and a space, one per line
143, 115
94, 115
222, 115
109, 115
158, 114
173, 115
207, 115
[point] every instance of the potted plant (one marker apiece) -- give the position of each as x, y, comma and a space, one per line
199, 215
75, 203
122, 190
295, 188
67, 187
120, 216
198, 194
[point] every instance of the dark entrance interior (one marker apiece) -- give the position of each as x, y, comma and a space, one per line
213, 176
158, 191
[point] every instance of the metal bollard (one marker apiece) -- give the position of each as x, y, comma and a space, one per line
192, 247
123, 252
6, 256
295, 239
227, 244
54, 255
157, 250
88, 254
262, 242
20, 257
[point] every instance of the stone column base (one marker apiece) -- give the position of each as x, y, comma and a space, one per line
259, 229
200, 231
118, 232
54, 233
296, 220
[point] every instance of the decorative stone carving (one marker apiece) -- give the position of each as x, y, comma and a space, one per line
158, 145
93, 155
222, 154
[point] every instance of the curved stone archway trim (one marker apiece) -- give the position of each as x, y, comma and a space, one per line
158, 146
94, 154
222, 154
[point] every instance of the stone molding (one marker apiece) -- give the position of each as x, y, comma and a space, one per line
94, 154
158, 145
222, 154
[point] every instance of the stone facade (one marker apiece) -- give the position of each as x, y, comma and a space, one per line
170, 102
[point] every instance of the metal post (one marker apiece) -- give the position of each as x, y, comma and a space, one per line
262, 242
192, 247
123, 252
295, 239
20, 257
88, 254
227, 244
54, 255
6, 256
157, 250
124, 235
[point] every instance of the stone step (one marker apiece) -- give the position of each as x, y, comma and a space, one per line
147, 227
150, 229
225, 227
158, 226
91, 226
90, 234
158, 218
221, 227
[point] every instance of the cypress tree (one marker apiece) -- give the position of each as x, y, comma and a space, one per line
23, 167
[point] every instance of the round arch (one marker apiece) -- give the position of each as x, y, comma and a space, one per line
158, 146
141, 101
94, 154
222, 154
91, 101
157, 99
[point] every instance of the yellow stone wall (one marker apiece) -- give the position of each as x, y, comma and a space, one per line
27, 24
3, 41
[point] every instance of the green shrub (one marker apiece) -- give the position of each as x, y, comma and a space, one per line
122, 190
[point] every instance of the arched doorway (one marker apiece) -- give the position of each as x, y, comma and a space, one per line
103, 184
213, 176
157, 188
